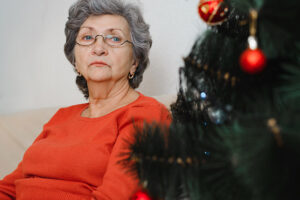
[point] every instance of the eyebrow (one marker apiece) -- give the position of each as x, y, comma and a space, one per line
110, 29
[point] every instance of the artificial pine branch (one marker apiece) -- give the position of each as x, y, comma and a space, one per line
234, 135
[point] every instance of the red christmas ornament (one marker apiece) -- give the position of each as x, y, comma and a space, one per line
213, 11
141, 195
252, 61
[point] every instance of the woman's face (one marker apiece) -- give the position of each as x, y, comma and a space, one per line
100, 62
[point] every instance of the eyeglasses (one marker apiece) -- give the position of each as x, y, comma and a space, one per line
86, 38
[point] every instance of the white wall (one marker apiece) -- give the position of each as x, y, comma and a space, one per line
34, 72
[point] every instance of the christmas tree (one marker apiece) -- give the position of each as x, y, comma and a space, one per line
236, 122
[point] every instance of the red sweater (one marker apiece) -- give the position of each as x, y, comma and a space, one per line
75, 158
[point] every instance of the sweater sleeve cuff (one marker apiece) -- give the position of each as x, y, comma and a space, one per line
5, 197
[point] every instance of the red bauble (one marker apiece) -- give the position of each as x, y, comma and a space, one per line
252, 61
141, 195
213, 11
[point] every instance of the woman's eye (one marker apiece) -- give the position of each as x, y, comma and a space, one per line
116, 39
87, 37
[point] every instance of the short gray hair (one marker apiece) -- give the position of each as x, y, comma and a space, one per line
139, 31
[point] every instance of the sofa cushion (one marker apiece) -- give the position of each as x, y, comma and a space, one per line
17, 132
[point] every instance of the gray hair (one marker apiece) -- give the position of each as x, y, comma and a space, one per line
139, 31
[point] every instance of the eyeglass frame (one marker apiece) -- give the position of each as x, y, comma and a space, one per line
104, 39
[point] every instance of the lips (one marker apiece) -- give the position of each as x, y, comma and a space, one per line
98, 64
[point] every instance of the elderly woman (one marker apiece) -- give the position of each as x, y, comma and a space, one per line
76, 155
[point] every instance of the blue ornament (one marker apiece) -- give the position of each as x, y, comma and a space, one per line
228, 108
203, 95
216, 115
207, 153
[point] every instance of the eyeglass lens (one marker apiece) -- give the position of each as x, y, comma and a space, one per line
87, 37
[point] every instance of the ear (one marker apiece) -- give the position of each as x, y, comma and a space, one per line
134, 66
76, 68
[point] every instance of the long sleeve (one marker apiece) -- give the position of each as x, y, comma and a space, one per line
7, 185
117, 182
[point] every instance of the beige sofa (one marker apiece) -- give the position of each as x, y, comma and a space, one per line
18, 131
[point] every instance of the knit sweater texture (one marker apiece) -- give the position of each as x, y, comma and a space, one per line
77, 158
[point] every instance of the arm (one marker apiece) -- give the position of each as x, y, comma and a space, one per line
7, 185
117, 182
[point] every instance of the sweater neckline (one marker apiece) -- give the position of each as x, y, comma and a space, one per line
108, 114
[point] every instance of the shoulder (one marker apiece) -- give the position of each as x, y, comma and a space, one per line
65, 113
145, 101
148, 109
73, 108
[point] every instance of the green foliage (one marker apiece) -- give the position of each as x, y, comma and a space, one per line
241, 140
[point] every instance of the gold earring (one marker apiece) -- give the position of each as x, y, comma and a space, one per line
130, 76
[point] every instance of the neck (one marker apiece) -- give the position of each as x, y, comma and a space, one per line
99, 91
104, 98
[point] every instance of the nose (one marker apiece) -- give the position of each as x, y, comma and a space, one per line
99, 47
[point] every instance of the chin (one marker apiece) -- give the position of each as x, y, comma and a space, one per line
99, 77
